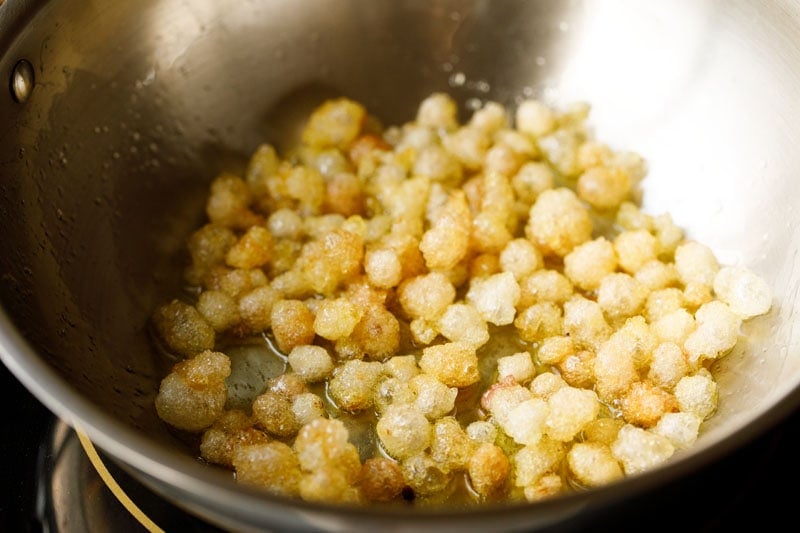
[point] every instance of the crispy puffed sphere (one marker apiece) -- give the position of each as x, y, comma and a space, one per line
230, 430
521, 258
560, 148
547, 486
271, 465
696, 262
534, 118
716, 334
336, 318
603, 430
594, 153
289, 385
495, 297
656, 275
453, 363
193, 395
461, 322
539, 321
645, 404
502, 397
432, 397
253, 249
469, 145
681, 429
438, 110
531, 180
336, 123
292, 324
663, 302
323, 443
584, 322
639, 449
592, 464
604, 187
489, 470
392, 390
262, 166
532, 462
502, 159
207, 247
635, 248
590, 262
518, 366
614, 369
570, 409
376, 336
331, 260
451, 447
317, 227
255, 308
490, 118
747, 294
426, 296
381, 479
558, 222
383, 268
425, 476
630, 217
668, 365
520, 143
620, 296
307, 407
312, 363
668, 235
482, 432
235, 282
273, 412
578, 369
545, 384
219, 309
526, 422
437, 164
696, 294
183, 328
404, 431
328, 485
343, 194
353, 383
447, 240
285, 223
228, 202
402, 367
544, 286
697, 394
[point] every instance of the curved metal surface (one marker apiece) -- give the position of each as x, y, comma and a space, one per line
103, 171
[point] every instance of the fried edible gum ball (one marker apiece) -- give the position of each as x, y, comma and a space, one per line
489, 470
183, 328
193, 395
231, 430
336, 123
558, 222
272, 466
381, 480
292, 324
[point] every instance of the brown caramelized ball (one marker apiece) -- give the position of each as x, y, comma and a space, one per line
381, 480
183, 328
292, 324
489, 470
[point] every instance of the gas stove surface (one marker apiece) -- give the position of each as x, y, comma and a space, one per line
51, 486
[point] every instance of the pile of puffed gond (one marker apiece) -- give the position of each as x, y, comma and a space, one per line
473, 311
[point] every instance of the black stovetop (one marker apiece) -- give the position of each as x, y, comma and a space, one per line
754, 485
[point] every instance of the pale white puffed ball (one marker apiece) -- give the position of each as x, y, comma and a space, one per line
697, 394
495, 297
518, 366
312, 363
746, 293
639, 450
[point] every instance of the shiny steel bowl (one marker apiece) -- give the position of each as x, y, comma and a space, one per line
118, 114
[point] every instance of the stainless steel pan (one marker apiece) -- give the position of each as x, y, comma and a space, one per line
122, 112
